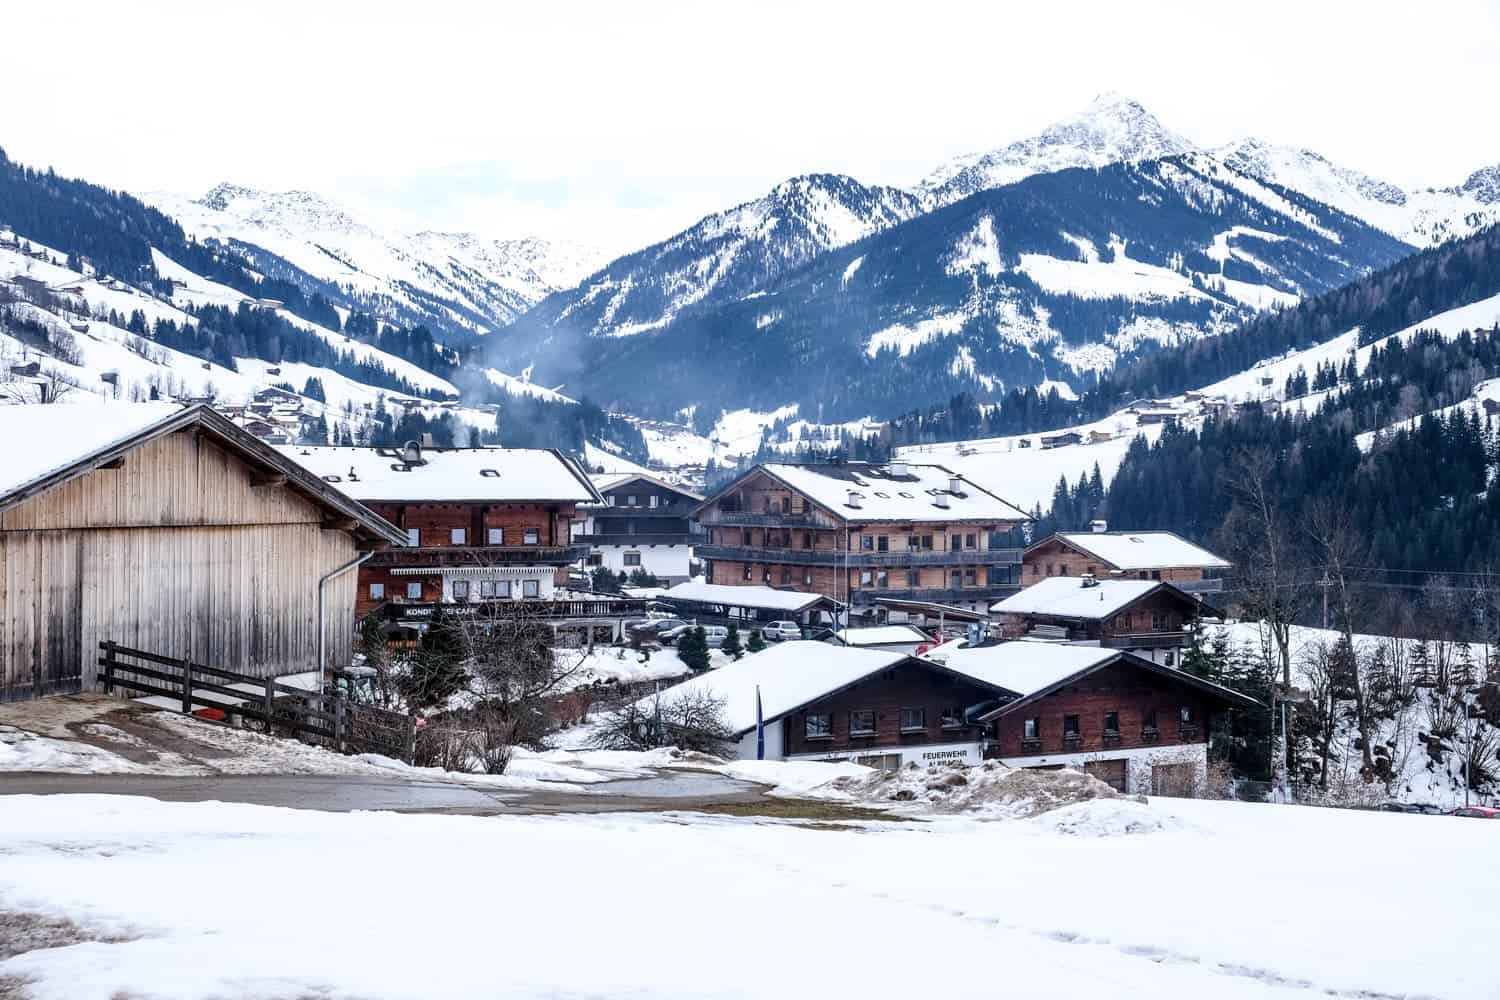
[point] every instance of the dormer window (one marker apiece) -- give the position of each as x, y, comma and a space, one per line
490, 473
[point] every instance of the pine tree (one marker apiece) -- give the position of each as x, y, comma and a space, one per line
732, 642
692, 649
757, 643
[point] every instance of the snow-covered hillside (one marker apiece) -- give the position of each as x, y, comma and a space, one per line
1112, 129
454, 281
58, 319
1026, 474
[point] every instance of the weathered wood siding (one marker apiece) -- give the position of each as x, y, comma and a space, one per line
177, 552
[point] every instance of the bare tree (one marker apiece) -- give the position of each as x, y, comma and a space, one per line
1341, 547
1267, 563
1321, 668
691, 719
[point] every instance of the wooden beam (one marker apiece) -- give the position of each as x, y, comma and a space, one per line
112, 464
339, 524
268, 479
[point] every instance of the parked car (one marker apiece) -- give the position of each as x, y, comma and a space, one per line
715, 634
777, 631
1477, 812
668, 636
654, 627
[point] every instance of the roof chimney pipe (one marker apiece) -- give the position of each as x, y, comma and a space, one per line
956, 485
854, 499
1098, 527
941, 500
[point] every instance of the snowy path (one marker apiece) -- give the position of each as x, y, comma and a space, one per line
1230, 901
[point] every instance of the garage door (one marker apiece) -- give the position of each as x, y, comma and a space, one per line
1175, 780
1111, 772
881, 761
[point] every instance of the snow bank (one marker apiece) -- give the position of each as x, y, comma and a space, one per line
1103, 817
988, 791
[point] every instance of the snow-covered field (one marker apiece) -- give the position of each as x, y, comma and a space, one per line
1223, 900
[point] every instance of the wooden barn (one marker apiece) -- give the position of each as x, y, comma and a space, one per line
169, 530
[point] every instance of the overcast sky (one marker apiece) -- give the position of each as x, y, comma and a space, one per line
619, 122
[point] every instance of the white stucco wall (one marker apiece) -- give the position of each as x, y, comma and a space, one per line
932, 753
774, 749
668, 562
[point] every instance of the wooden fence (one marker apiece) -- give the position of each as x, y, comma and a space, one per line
329, 719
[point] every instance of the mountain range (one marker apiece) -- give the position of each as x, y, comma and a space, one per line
457, 283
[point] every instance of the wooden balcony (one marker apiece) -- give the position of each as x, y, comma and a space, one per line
766, 519
1148, 640
861, 559
440, 556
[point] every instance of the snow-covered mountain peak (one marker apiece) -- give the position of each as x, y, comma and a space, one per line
1112, 129
1483, 185
293, 211
1306, 171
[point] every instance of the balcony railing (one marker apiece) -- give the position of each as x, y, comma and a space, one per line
639, 538
766, 519
480, 555
1147, 640
526, 607
1215, 586
860, 559
937, 595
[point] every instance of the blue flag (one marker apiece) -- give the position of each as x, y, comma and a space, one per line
760, 728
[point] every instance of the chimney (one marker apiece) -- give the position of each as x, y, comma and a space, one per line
411, 453
1098, 527
1089, 580
854, 499
956, 485
897, 468
941, 500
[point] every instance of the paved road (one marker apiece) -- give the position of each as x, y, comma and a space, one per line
344, 793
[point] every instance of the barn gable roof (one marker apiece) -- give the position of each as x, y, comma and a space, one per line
52, 445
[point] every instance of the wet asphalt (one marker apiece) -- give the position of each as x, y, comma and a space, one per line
665, 791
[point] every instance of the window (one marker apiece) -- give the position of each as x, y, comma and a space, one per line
907, 495
494, 588
970, 577
819, 726
1031, 729
866, 577
807, 579
747, 572
632, 559
927, 542
882, 579
913, 542
1169, 658
414, 591
595, 559
1036, 569
655, 501
1071, 730
972, 541
953, 718
882, 544
531, 536
914, 578
913, 720
460, 590
807, 539
786, 575
632, 501
1158, 621
1156, 574
862, 723
1148, 720
531, 588
765, 575
957, 577
883, 496
611, 499
413, 536
495, 536
1051, 569
1112, 723
458, 536
866, 543
1186, 715
745, 540
377, 591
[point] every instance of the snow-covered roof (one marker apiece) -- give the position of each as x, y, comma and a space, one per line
789, 675
1137, 550
611, 480
742, 597
49, 445
1022, 667
492, 475
41, 440
894, 492
1068, 597
882, 635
